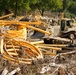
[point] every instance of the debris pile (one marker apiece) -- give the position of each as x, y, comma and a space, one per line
13, 43
17, 45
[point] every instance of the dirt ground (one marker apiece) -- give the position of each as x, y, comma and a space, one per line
67, 66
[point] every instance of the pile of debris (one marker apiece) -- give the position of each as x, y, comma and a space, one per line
16, 45
13, 44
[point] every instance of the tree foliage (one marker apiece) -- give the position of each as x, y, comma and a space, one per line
72, 7
66, 4
20, 6
57, 4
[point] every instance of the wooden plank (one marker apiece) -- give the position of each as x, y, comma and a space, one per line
1, 46
11, 46
11, 53
49, 53
14, 22
61, 39
37, 42
53, 45
37, 29
6, 16
12, 50
53, 48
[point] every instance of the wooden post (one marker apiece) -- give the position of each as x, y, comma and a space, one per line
1, 45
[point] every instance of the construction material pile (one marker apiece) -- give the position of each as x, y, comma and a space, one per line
49, 56
13, 44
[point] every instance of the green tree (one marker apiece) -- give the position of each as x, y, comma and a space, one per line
72, 8
43, 5
57, 5
66, 4
20, 6
4, 6
24, 5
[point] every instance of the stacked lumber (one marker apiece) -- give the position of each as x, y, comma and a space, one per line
49, 49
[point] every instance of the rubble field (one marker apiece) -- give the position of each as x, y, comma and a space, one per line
34, 56
61, 65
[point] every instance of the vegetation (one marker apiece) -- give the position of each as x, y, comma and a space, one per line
23, 6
